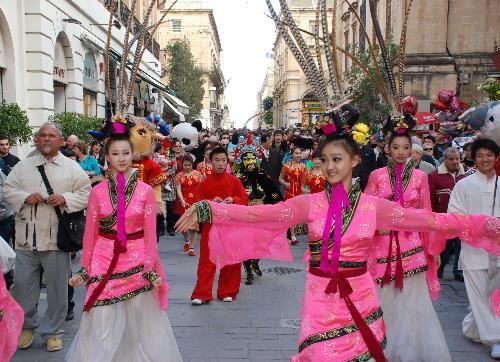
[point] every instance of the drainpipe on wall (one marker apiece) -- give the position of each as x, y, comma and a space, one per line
455, 64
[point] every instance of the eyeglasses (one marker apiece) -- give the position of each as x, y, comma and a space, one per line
428, 149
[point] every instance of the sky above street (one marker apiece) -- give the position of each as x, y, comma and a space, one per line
247, 35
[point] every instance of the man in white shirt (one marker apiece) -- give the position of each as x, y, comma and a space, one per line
479, 194
36, 237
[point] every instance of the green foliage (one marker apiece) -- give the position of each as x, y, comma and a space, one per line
185, 78
267, 103
14, 123
366, 97
77, 124
491, 88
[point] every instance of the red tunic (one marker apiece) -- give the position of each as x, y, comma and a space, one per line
149, 172
316, 183
205, 168
296, 177
223, 186
189, 187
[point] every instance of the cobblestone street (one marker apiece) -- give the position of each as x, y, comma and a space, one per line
262, 325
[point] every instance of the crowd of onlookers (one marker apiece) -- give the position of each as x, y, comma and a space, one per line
34, 231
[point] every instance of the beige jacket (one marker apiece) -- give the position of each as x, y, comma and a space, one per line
36, 226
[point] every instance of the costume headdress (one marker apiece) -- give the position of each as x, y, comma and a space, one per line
246, 147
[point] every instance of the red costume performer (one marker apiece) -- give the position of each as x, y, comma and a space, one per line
315, 183
189, 187
218, 185
296, 177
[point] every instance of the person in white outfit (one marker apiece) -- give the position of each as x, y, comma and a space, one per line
479, 194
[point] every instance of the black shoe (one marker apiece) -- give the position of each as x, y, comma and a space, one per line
70, 315
255, 268
171, 233
249, 280
459, 277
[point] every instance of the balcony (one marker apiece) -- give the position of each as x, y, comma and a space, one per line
122, 13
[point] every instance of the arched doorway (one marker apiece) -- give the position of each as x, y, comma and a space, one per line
60, 75
7, 62
311, 109
90, 86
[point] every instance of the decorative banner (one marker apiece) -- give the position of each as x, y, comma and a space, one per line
89, 72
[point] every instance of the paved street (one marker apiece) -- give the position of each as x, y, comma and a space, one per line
262, 324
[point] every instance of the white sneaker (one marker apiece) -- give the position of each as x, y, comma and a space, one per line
495, 351
227, 299
199, 301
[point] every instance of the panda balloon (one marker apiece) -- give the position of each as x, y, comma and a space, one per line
187, 134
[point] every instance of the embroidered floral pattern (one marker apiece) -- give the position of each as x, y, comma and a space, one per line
339, 332
123, 297
83, 273
151, 276
403, 255
407, 274
204, 212
407, 172
110, 221
124, 274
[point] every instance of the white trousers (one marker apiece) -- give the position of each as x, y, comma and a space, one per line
481, 324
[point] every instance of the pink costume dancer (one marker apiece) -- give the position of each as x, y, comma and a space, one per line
341, 317
407, 274
124, 318
11, 322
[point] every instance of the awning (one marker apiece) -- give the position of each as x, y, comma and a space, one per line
169, 105
181, 106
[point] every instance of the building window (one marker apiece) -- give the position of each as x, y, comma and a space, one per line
176, 25
89, 103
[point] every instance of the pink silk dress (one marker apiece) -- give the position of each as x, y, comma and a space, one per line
414, 246
328, 331
11, 323
135, 267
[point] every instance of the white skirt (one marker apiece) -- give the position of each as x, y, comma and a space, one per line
414, 333
135, 330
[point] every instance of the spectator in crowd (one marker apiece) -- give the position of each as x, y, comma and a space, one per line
271, 159
437, 152
428, 155
279, 143
36, 246
478, 194
383, 157
224, 139
8, 159
366, 166
468, 161
417, 152
179, 153
88, 163
6, 224
70, 144
96, 151
379, 146
441, 184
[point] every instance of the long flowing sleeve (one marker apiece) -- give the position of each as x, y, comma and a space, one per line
240, 233
91, 230
477, 230
153, 261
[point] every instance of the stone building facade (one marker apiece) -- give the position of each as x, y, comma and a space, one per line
265, 91
52, 59
194, 20
450, 44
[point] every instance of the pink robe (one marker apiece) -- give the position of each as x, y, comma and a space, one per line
415, 254
129, 277
327, 331
11, 323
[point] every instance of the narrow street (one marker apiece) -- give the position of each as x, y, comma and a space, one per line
262, 325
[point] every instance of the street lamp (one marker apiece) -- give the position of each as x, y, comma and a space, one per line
116, 24
72, 21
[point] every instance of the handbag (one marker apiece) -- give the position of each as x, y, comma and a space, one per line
71, 225
7, 257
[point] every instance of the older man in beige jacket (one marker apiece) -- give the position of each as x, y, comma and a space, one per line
36, 233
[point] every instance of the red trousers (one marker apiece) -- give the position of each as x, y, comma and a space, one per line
229, 276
